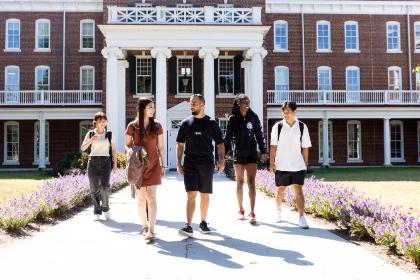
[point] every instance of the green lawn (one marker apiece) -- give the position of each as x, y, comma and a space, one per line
13, 184
391, 185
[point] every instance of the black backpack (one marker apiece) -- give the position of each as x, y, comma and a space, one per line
108, 135
301, 127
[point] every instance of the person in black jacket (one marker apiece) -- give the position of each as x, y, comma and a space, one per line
242, 134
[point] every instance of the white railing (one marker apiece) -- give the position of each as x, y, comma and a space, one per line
51, 97
340, 97
183, 15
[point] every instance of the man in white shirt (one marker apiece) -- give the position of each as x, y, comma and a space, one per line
289, 157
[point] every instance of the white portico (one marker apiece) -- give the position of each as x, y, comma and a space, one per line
161, 31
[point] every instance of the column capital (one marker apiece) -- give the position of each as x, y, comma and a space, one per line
245, 63
123, 63
115, 52
212, 51
249, 53
160, 50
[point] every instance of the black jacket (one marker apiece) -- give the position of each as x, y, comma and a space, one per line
244, 132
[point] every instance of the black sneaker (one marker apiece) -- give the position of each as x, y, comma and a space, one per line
186, 231
204, 228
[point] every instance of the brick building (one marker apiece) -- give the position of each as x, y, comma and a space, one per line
348, 64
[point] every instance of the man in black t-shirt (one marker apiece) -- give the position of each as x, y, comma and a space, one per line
197, 134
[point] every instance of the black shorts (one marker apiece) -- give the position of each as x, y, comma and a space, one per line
198, 177
252, 158
287, 178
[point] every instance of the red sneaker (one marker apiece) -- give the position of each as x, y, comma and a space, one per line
241, 214
252, 219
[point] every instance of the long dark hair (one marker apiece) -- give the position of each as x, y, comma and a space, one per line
141, 107
236, 112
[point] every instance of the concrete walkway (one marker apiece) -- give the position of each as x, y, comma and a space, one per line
80, 248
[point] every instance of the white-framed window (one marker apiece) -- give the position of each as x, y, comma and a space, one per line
42, 77
12, 35
87, 35
353, 84
226, 75
280, 35
418, 141
223, 125
143, 75
84, 128
42, 35
185, 84
323, 36
321, 141
324, 78
281, 78
87, 77
417, 36
394, 78
351, 33
354, 141
11, 142
37, 139
393, 42
397, 140
12, 78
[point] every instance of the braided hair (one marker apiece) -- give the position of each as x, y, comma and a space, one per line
236, 112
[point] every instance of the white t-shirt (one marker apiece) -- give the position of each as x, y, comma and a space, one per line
100, 148
289, 154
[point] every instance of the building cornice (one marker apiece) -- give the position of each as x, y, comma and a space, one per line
51, 6
342, 7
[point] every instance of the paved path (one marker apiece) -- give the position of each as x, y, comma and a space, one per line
80, 248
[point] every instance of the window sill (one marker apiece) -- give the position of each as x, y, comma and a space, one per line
394, 51
181, 95
11, 163
87, 50
324, 51
281, 51
12, 50
42, 50
225, 96
354, 161
144, 95
416, 51
351, 51
37, 163
398, 160
330, 161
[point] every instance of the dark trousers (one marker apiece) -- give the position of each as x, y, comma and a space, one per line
99, 173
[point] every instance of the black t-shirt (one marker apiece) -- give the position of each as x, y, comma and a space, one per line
198, 134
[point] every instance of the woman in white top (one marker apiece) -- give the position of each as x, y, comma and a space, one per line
102, 159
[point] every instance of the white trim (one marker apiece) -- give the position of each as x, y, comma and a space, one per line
6, 69
51, 6
281, 67
401, 124
87, 67
323, 22
324, 68
278, 22
356, 50
81, 135
398, 49
68, 113
349, 68
342, 7
225, 94
43, 20
391, 68
36, 75
144, 94
6, 47
47, 144
330, 141
360, 148
81, 48
183, 94
5, 161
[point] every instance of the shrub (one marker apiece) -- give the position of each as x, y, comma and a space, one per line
66, 163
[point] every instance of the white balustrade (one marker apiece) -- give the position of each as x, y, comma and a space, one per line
51, 97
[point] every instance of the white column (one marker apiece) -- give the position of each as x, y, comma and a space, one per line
246, 65
112, 54
387, 143
257, 55
209, 55
119, 133
161, 54
325, 144
42, 150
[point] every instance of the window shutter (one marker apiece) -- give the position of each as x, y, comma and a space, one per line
237, 74
154, 76
197, 77
216, 77
132, 73
172, 77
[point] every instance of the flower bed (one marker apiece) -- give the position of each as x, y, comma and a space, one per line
362, 216
53, 197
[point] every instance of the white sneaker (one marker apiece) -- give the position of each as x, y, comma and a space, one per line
107, 215
97, 217
302, 223
278, 216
